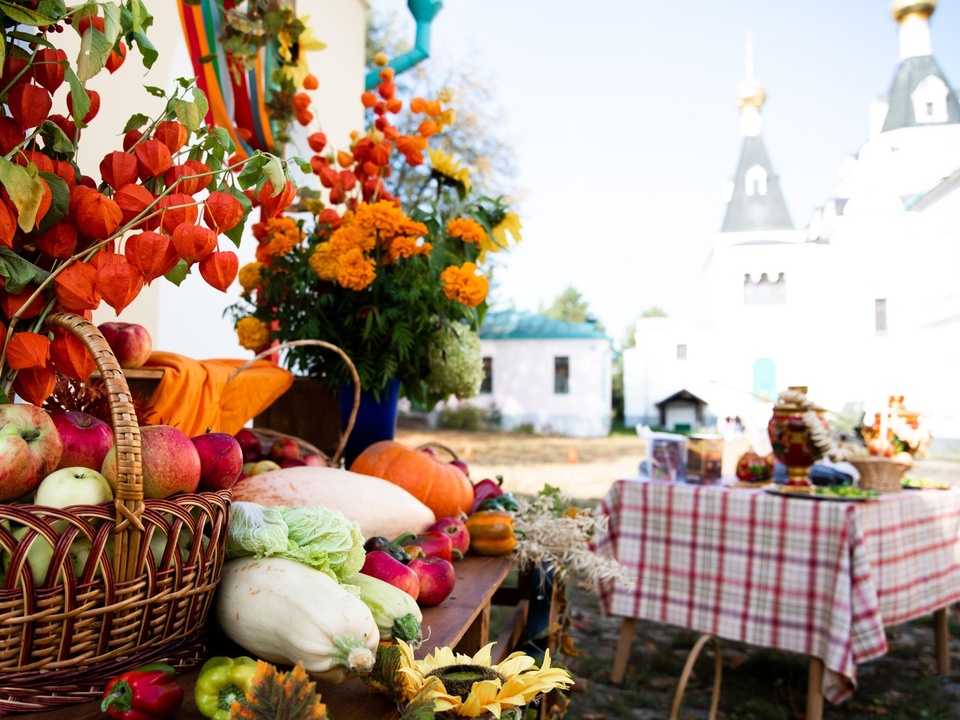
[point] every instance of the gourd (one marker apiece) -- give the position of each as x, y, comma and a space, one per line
438, 484
285, 612
380, 507
396, 613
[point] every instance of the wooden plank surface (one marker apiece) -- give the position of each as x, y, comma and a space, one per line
443, 626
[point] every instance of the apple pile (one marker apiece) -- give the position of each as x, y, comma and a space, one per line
260, 457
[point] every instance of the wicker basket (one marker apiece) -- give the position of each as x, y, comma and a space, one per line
64, 636
270, 435
882, 474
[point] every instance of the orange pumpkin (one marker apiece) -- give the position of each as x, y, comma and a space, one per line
440, 486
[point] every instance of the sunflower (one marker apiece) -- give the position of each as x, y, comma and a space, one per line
447, 169
467, 686
292, 51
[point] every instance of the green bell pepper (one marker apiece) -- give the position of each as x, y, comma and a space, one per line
222, 682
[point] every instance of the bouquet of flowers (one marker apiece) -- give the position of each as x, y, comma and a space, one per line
399, 290
165, 197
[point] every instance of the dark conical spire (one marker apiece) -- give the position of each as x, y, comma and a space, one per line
756, 202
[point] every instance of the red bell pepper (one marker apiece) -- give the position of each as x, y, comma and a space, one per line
149, 692
484, 490
435, 544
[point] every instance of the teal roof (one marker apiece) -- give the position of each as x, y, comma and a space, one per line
513, 325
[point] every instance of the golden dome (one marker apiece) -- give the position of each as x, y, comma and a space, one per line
901, 9
750, 92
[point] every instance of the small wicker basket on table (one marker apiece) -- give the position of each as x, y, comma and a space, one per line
883, 474
62, 639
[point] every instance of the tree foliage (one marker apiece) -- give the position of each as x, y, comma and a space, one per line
570, 306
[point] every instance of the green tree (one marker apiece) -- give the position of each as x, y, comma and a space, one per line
570, 306
629, 339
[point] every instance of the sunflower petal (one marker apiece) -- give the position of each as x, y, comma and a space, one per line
483, 656
514, 665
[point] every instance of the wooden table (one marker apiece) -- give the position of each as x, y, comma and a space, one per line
461, 622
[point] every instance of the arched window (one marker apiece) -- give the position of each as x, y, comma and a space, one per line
930, 100
756, 181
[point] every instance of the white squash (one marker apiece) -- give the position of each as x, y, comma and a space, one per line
380, 507
285, 612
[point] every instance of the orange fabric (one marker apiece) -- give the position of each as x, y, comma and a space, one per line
194, 395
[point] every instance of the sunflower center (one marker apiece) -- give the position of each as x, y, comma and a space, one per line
459, 679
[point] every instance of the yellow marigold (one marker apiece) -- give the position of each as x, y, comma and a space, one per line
283, 234
355, 270
350, 237
464, 285
252, 333
323, 263
249, 276
386, 218
467, 229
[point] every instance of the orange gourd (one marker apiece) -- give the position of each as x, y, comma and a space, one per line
440, 486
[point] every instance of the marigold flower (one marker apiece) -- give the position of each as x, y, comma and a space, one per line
350, 237
467, 229
250, 276
283, 234
252, 333
323, 263
464, 285
355, 270
405, 246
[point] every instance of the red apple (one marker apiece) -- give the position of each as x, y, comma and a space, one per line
86, 439
221, 460
456, 530
170, 462
30, 449
314, 460
130, 343
383, 566
250, 445
284, 449
437, 578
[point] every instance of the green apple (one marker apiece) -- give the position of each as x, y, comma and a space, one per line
38, 556
73, 486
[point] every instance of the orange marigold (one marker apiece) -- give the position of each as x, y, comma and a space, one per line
406, 246
467, 229
252, 333
464, 285
349, 237
323, 263
386, 218
250, 277
283, 234
355, 270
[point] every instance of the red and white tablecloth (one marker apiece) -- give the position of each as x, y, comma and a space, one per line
808, 576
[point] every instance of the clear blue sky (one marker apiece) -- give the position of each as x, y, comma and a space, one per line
622, 118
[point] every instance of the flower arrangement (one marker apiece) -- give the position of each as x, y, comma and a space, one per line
384, 283
67, 242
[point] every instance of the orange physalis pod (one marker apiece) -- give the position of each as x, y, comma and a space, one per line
178, 208
387, 89
344, 158
304, 117
151, 253
317, 162
172, 134
70, 357
66, 171
193, 242
418, 105
192, 176
380, 153
103, 254
310, 82
43, 162
68, 126
95, 214
219, 269
94, 106
27, 350
153, 158
368, 99
49, 68
329, 216
133, 199
427, 128
394, 105
12, 135
116, 58
8, 224
222, 211
118, 281
348, 180
118, 169
59, 240
272, 205
130, 138
14, 304
35, 384
76, 287
386, 75
317, 141
329, 177
29, 105
391, 133
45, 200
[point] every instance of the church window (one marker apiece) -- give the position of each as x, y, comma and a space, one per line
561, 375
764, 291
681, 352
930, 100
880, 315
756, 181
486, 385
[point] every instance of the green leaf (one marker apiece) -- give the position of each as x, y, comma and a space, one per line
25, 190
3, 51
24, 16
60, 202
56, 138
94, 51
155, 91
236, 232
179, 272
200, 100
111, 23
188, 114
4, 398
207, 59
252, 171
28, 38
53, 8
274, 172
136, 121
78, 96
17, 272
147, 51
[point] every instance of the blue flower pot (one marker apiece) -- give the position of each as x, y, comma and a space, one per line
376, 419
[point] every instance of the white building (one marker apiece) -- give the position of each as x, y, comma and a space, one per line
860, 304
551, 375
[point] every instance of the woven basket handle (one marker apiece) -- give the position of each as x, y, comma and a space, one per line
345, 433
688, 670
126, 434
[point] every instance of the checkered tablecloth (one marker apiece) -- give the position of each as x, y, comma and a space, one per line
808, 576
